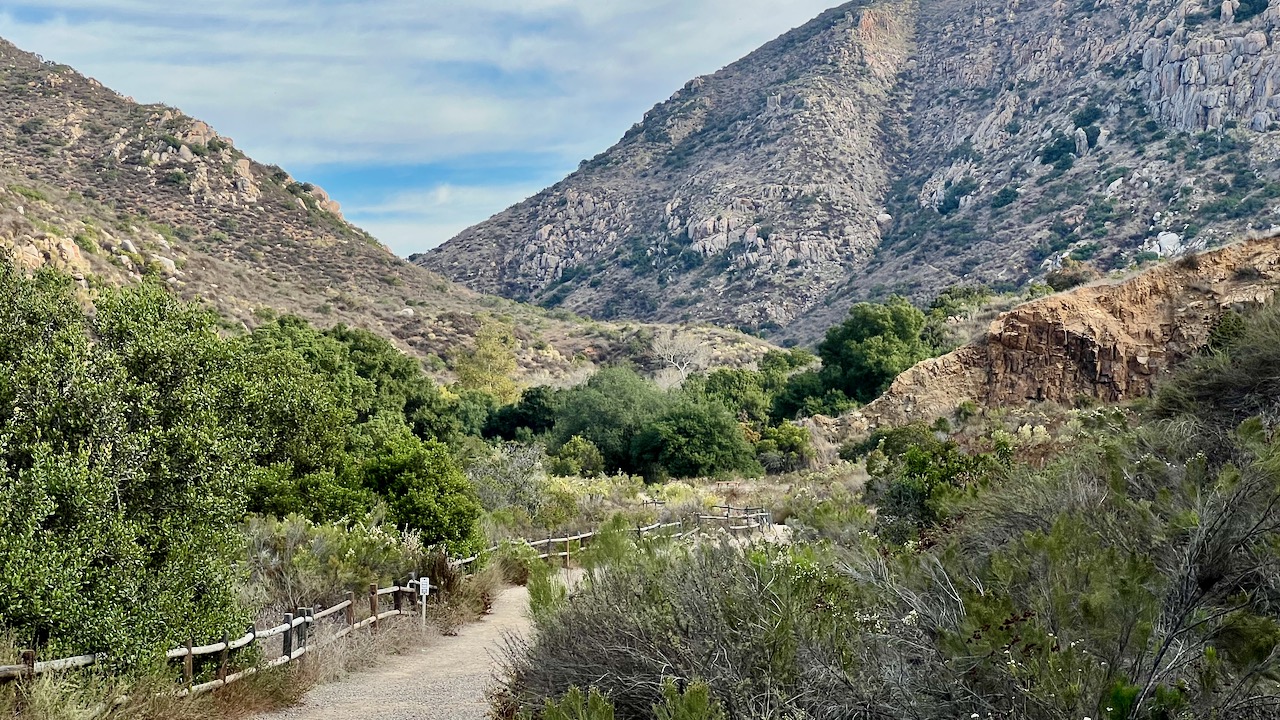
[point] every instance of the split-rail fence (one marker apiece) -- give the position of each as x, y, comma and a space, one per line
296, 630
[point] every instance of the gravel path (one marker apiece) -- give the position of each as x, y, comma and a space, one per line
446, 680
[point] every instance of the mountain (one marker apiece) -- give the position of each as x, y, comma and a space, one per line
112, 191
906, 146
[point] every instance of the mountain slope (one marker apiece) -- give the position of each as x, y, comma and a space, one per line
742, 199
112, 191
904, 147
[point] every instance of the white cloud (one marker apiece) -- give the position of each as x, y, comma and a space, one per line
359, 83
401, 81
418, 220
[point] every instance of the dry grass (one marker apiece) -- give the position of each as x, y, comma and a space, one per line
472, 599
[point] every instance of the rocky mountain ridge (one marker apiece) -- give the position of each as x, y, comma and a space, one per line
113, 191
905, 146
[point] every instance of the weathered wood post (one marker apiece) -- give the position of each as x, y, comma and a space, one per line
188, 664
351, 609
222, 660
286, 644
413, 596
29, 664
567, 542
303, 628
373, 605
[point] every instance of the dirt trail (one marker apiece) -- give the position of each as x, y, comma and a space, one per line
445, 680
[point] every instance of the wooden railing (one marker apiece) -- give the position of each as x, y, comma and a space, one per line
297, 628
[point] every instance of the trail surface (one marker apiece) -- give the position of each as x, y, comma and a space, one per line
446, 680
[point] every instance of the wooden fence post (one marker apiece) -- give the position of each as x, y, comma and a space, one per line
222, 661
567, 542
188, 664
305, 614
351, 609
29, 662
396, 600
373, 605
286, 643
413, 596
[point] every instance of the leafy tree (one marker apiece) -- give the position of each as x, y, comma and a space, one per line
861, 356
534, 414
610, 409
400, 384
421, 484
806, 394
490, 366
578, 457
122, 457
694, 439
742, 390
784, 448
134, 437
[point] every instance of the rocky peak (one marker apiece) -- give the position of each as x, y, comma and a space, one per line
905, 147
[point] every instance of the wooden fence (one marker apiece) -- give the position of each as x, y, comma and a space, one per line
296, 629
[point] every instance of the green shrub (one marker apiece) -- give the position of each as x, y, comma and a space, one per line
861, 356
1059, 152
1005, 196
124, 450
1071, 274
574, 705
784, 448
578, 457
693, 703
694, 439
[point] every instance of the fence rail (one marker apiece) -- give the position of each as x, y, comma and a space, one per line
298, 627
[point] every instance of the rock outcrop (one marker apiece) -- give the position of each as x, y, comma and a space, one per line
1108, 342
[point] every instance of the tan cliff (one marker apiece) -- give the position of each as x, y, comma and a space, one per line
1108, 342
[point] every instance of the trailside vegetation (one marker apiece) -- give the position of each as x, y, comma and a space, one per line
135, 439
1135, 576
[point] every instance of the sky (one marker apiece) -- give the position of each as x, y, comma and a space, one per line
421, 117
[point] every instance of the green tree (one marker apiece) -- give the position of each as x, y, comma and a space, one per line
421, 483
578, 457
695, 439
400, 384
490, 366
610, 409
862, 355
122, 461
534, 414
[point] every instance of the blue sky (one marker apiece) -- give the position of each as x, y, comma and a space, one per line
421, 117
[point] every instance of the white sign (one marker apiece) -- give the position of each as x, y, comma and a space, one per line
424, 587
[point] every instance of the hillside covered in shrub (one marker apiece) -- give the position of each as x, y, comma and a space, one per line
1129, 573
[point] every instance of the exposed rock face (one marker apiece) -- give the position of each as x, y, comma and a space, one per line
746, 196
1110, 342
904, 146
